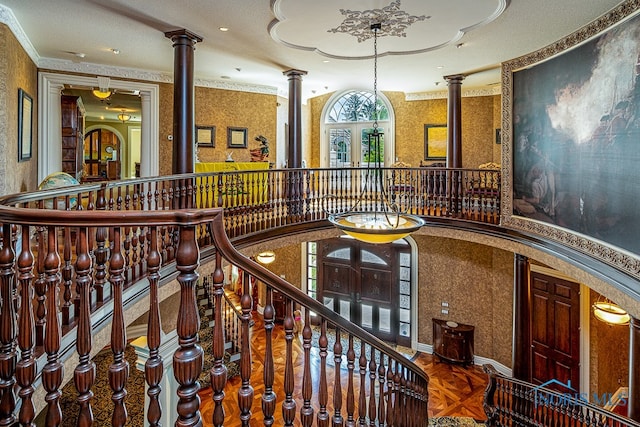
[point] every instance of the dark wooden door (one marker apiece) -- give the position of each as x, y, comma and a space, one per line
555, 330
358, 282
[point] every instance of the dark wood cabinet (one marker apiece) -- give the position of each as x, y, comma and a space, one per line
72, 113
453, 342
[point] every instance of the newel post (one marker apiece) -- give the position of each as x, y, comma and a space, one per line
188, 358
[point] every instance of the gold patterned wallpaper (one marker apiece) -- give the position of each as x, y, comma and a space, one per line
17, 71
477, 283
480, 118
221, 108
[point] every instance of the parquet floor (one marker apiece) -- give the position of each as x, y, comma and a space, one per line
453, 390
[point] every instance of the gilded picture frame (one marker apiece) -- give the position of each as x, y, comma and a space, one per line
551, 128
435, 141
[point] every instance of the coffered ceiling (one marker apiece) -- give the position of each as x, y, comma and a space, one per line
420, 41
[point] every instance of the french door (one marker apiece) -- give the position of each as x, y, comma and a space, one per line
349, 147
360, 282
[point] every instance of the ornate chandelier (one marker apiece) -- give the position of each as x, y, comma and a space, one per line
373, 219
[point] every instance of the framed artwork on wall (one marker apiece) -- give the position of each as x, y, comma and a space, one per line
205, 136
236, 137
435, 142
574, 124
25, 120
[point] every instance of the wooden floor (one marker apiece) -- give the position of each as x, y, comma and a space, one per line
453, 390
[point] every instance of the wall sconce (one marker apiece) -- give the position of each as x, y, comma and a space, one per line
610, 312
266, 257
124, 117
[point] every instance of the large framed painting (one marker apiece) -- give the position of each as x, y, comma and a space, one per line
571, 126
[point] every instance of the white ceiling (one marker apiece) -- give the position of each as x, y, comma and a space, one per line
266, 37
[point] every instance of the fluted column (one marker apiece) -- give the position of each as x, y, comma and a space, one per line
521, 338
183, 99
294, 151
454, 121
634, 369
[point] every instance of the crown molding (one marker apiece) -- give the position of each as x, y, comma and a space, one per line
146, 75
9, 19
468, 93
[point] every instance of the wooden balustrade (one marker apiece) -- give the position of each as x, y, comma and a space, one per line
511, 402
71, 251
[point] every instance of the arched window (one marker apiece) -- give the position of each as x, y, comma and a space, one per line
347, 120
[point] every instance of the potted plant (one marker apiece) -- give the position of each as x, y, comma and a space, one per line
262, 152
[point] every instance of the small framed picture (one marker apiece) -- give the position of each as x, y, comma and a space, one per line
205, 136
236, 137
25, 120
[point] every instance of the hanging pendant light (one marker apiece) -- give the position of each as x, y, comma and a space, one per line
103, 92
610, 312
124, 117
374, 219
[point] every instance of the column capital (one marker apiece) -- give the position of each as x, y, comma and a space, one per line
293, 73
454, 78
183, 34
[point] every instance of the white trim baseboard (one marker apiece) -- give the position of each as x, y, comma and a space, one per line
477, 360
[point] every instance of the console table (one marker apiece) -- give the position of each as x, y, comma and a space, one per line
452, 341
247, 188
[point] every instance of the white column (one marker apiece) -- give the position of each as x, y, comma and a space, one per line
169, 385
150, 145
50, 128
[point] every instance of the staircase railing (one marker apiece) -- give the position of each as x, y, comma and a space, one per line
510, 402
61, 260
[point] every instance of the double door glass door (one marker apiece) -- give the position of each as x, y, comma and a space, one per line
359, 283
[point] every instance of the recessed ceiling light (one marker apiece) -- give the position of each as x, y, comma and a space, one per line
115, 51
225, 77
459, 45
223, 29
326, 60
440, 67
80, 54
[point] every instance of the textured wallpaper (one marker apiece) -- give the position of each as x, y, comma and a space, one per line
480, 117
17, 71
477, 283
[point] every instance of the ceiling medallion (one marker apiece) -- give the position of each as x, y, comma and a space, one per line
358, 23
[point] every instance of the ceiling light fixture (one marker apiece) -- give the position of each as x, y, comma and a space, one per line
124, 117
115, 51
610, 312
223, 29
103, 92
372, 218
266, 257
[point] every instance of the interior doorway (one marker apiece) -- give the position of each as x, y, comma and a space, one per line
555, 331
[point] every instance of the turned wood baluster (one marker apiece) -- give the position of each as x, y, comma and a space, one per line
337, 386
372, 388
218, 370
119, 369
135, 232
306, 412
26, 369
7, 329
362, 401
53, 371
188, 358
382, 415
153, 367
289, 405
85, 372
390, 402
40, 286
67, 275
351, 357
269, 397
245, 393
323, 415
100, 252
398, 397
